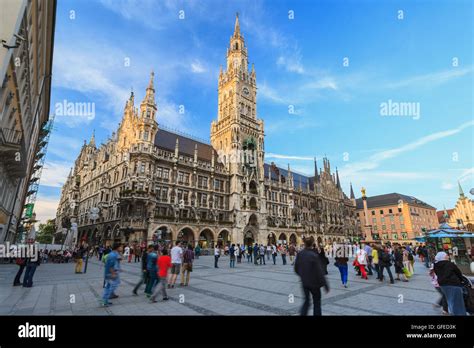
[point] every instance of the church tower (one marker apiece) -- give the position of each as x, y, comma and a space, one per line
238, 135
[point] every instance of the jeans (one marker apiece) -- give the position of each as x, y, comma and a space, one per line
161, 287
268, 255
442, 300
232, 263
151, 282
216, 258
110, 286
274, 256
143, 280
377, 269
454, 297
316, 293
343, 271
283, 257
427, 262
262, 259
29, 273
18, 275
255, 259
388, 270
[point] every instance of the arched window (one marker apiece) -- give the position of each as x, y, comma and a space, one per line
236, 46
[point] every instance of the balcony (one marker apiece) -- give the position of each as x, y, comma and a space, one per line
12, 152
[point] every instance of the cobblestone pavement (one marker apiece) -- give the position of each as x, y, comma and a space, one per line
244, 290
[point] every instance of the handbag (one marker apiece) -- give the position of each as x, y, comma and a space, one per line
20, 262
189, 267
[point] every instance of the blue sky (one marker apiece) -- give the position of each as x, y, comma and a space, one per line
299, 64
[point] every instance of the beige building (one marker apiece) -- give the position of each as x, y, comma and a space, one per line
146, 181
462, 216
395, 217
26, 33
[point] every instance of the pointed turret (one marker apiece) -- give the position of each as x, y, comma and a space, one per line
92, 141
352, 193
176, 148
316, 175
237, 26
461, 192
338, 182
150, 91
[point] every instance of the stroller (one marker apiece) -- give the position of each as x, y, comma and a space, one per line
468, 290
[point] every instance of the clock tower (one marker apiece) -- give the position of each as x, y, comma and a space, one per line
238, 135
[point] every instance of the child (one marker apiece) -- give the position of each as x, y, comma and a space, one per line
163, 263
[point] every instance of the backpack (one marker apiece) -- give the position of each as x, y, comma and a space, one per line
410, 257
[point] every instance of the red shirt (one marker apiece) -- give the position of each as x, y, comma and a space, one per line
164, 262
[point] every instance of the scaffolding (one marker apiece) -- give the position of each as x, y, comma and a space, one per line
28, 218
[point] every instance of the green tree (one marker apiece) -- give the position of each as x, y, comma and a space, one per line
46, 232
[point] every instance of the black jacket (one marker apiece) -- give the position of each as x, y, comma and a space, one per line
144, 260
308, 266
448, 273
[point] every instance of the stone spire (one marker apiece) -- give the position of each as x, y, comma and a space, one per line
316, 175
92, 141
352, 193
237, 25
461, 192
338, 182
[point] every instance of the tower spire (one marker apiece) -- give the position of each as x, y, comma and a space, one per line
338, 182
237, 25
352, 193
316, 176
92, 141
461, 192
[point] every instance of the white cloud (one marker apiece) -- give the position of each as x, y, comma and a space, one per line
299, 158
197, 67
375, 160
45, 208
55, 173
291, 63
429, 80
447, 186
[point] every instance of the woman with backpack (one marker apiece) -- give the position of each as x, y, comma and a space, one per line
341, 263
385, 262
398, 256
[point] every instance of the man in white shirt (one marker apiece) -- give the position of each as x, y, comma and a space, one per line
361, 258
176, 260
217, 254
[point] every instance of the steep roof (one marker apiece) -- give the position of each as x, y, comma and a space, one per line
297, 177
166, 140
390, 199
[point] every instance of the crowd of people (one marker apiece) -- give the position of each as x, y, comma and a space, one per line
163, 264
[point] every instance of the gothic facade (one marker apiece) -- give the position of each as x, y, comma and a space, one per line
146, 182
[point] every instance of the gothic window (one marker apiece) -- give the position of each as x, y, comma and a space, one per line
236, 46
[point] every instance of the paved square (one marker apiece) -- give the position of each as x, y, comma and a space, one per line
244, 290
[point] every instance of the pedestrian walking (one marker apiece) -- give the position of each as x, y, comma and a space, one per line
341, 259
197, 251
375, 259
324, 260
137, 251
292, 253
442, 300
21, 262
398, 257
385, 262
308, 267
188, 258
361, 262
152, 269
283, 254
79, 257
262, 254
144, 278
176, 261
164, 263
31, 264
112, 273
238, 253
126, 252
249, 253
217, 255
274, 253
368, 251
256, 253
269, 251
232, 256
450, 280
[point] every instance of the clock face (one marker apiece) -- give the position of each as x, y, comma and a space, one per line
245, 91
